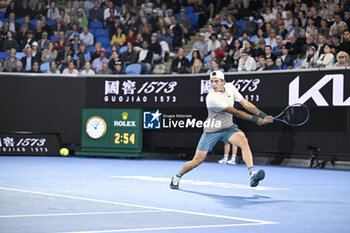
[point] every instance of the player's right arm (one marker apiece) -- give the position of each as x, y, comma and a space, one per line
243, 115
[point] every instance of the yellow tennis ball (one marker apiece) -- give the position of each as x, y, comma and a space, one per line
64, 151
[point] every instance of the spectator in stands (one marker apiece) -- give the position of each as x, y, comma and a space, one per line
13, 25
277, 49
119, 68
337, 22
9, 43
342, 59
262, 63
70, 69
72, 31
75, 44
315, 17
232, 9
217, 24
207, 61
180, 64
58, 26
232, 25
147, 7
246, 62
105, 69
196, 63
245, 11
10, 61
61, 42
130, 37
110, 13
87, 70
214, 65
38, 31
28, 60
44, 26
118, 38
39, 10
153, 21
88, 5
96, 52
259, 38
3, 34
145, 57
28, 23
294, 48
113, 59
52, 12
43, 42
129, 56
220, 51
210, 30
281, 30
310, 59
271, 40
185, 24
295, 29
53, 68
279, 65
326, 59
213, 43
80, 19
176, 32
97, 63
86, 37
65, 19
287, 59
269, 64
302, 18
226, 61
268, 16
35, 68
321, 42
156, 49
323, 11
288, 22
24, 10
65, 63
82, 56
18, 68
346, 41
201, 46
49, 54
268, 52
22, 34
336, 46
96, 13
11, 8
223, 31
166, 43
35, 52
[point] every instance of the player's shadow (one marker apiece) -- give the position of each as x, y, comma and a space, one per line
236, 201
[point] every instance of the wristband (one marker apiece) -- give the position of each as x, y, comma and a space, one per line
262, 114
255, 119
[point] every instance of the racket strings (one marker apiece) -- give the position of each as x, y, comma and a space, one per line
295, 115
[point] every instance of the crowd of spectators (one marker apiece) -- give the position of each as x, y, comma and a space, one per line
58, 37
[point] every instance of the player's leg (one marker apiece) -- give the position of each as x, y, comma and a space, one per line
198, 158
232, 160
239, 139
226, 152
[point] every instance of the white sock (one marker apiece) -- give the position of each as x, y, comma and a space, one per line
226, 157
233, 157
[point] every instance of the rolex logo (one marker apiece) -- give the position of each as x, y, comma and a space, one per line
125, 116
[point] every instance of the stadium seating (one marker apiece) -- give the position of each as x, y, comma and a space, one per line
189, 9
133, 69
206, 59
91, 49
33, 22
96, 25
5, 20
4, 55
19, 55
50, 22
2, 14
101, 33
104, 41
20, 21
53, 38
45, 67
123, 49
189, 57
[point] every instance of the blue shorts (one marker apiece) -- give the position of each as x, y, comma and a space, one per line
209, 140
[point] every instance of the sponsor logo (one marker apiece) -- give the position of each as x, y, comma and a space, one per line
151, 120
139, 91
315, 94
157, 120
124, 123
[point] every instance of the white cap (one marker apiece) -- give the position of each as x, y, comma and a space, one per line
217, 74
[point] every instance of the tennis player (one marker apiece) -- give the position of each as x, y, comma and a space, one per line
220, 102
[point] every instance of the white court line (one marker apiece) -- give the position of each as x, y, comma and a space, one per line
164, 228
203, 183
255, 222
75, 214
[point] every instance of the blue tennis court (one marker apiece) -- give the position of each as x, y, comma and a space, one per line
72, 194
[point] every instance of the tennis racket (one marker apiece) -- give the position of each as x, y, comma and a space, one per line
294, 115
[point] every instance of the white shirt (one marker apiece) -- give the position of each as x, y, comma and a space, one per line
87, 39
91, 72
217, 102
247, 65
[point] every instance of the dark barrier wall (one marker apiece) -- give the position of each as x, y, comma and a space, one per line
54, 104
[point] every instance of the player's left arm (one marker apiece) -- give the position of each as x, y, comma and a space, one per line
247, 105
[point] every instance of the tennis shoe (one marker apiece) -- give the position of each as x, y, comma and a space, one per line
223, 160
175, 181
255, 177
231, 161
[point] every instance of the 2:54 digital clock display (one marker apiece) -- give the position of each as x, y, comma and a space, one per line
124, 138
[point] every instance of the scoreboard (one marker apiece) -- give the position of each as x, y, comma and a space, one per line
112, 132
